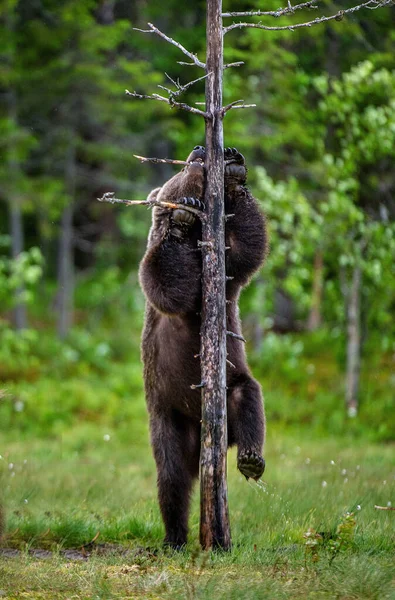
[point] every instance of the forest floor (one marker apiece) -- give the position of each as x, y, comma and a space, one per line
82, 521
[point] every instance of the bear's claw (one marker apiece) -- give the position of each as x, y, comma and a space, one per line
250, 464
194, 202
232, 155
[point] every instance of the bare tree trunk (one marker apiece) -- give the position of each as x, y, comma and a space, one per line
15, 215
214, 516
353, 342
16, 228
315, 319
65, 273
66, 253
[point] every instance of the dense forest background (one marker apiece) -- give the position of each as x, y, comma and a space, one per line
321, 152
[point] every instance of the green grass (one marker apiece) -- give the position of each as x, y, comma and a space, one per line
60, 493
76, 466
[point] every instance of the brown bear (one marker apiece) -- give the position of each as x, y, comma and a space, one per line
170, 276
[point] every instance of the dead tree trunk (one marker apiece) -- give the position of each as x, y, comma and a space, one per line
353, 342
214, 517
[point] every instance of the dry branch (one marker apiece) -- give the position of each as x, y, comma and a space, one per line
384, 507
236, 104
273, 13
234, 64
370, 4
169, 161
237, 336
169, 101
180, 88
193, 57
110, 197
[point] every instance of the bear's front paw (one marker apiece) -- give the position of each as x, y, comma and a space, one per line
235, 168
250, 464
182, 220
234, 156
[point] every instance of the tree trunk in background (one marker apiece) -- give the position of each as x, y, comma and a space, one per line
353, 342
17, 244
315, 319
66, 274
65, 277
15, 213
214, 515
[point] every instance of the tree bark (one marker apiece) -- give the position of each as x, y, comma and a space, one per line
315, 320
353, 342
214, 516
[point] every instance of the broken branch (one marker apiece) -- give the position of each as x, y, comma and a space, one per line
169, 161
370, 4
169, 101
273, 13
237, 336
180, 88
110, 197
234, 64
235, 104
193, 57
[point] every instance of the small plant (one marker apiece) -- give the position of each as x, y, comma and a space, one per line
312, 545
343, 540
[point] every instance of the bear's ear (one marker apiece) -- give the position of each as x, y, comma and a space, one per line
152, 196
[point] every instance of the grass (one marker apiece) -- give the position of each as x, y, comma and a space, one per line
76, 466
61, 492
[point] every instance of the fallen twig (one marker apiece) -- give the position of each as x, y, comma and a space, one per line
384, 507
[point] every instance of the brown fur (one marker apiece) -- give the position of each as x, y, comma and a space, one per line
170, 275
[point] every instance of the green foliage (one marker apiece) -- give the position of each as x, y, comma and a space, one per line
358, 106
24, 271
303, 384
294, 233
359, 112
96, 378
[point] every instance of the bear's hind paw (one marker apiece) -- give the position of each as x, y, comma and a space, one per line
250, 464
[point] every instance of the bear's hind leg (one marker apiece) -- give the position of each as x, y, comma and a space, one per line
176, 451
246, 425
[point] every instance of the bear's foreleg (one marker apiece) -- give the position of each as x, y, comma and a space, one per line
170, 275
246, 425
245, 233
